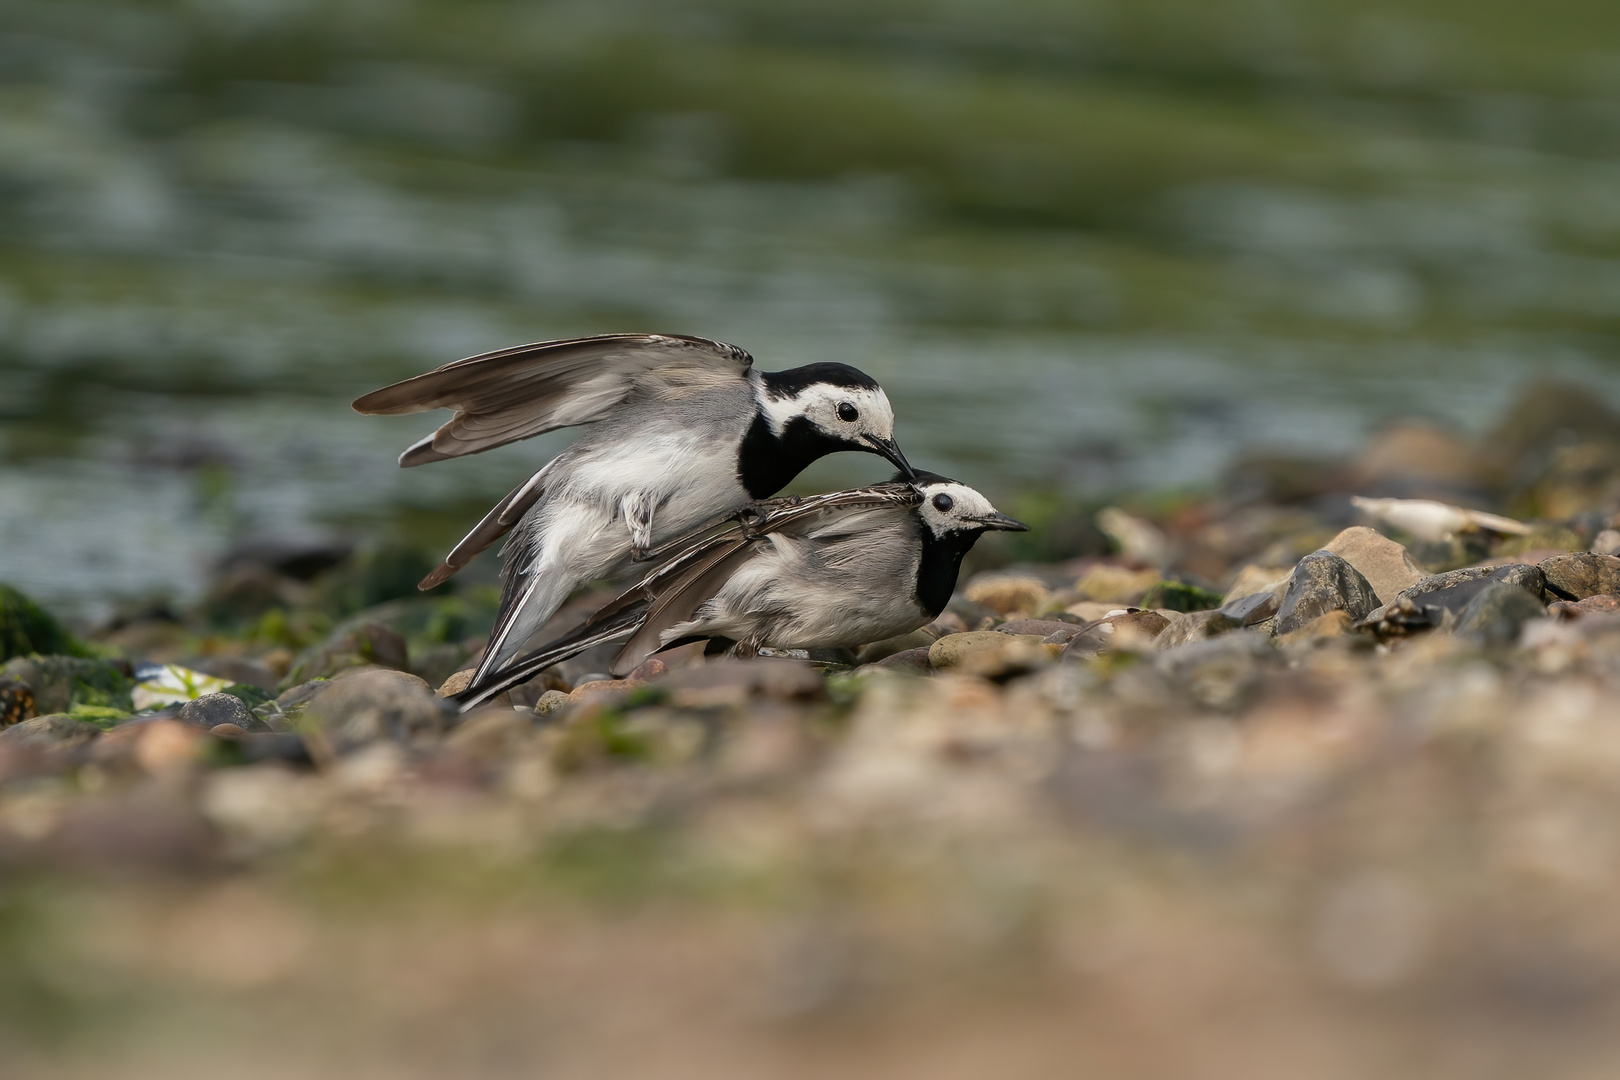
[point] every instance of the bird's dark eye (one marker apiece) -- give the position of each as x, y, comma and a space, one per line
943, 503
846, 412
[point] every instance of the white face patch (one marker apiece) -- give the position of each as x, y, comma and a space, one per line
949, 507
830, 407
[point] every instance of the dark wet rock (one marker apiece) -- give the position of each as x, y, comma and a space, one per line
363, 706
27, 628
60, 683
910, 662
1580, 574
1222, 672
1324, 582
211, 710
57, 731
16, 702
301, 695
1496, 614
1254, 608
1431, 601
1194, 626
731, 682
370, 643
1387, 566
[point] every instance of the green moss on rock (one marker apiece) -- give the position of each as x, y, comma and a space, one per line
1180, 596
27, 628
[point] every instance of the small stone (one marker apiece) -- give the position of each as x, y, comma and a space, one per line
163, 746
1046, 629
1387, 566
1423, 606
490, 733
550, 702
729, 681
601, 690
909, 662
1496, 614
1116, 583
877, 650
1579, 574
1324, 582
375, 703
1128, 629
1592, 605
650, 668
49, 733
952, 649
227, 731
1331, 625
1194, 626
211, 710
1606, 542
456, 683
1219, 673
1090, 611
1258, 607
1253, 580
1006, 594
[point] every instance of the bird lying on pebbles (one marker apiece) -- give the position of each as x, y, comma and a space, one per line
684, 430
826, 571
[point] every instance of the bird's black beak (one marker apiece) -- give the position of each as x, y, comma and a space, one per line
891, 450
998, 520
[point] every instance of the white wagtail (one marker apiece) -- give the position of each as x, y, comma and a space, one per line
826, 571
684, 430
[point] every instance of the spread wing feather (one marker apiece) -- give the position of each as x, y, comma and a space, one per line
511, 394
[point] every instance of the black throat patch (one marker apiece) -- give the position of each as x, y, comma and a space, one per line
940, 565
767, 462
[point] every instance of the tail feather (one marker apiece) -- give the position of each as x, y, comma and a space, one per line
531, 664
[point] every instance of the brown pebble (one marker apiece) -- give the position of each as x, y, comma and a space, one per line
226, 731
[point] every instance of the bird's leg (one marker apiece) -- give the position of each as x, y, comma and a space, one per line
638, 514
746, 649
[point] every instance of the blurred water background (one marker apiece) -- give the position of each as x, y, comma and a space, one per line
1091, 247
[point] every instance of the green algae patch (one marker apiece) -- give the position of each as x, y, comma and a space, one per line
1180, 596
26, 628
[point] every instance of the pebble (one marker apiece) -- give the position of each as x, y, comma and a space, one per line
1387, 566
375, 703
910, 662
728, 681
212, 710
1257, 607
1333, 624
550, 702
456, 683
368, 644
1324, 582
49, 733
1115, 583
1426, 604
954, 650
1007, 594
227, 731
601, 690
916, 639
1222, 672
1606, 542
1194, 626
1050, 630
1128, 629
1496, 614
1579, 574
1253, 580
